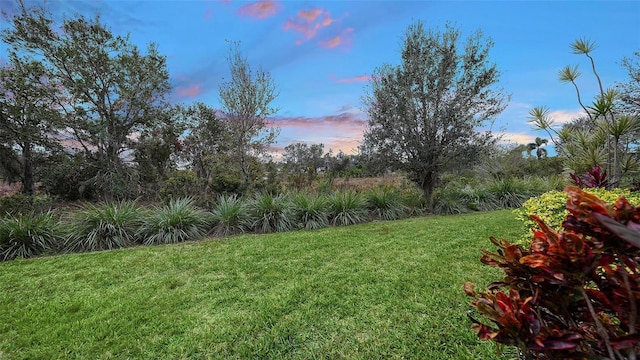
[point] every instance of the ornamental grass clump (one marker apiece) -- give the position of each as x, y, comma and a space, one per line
25, 236
270, 213
347, 208
570, 294
479, 198
105, 226
310, 211
449, 201
385, 203
230, 215
510, 193
180, 220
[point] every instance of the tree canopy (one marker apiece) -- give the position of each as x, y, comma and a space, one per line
108, 89
425, 113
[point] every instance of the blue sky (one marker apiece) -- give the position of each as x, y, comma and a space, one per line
321, 53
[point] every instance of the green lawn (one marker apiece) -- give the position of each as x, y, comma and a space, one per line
373, 291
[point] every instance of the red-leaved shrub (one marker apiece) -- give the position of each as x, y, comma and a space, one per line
573, 294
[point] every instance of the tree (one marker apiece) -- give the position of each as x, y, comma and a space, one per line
302, 162
423, 114
109, 89
630, 91
606, 131
208, 149
246, 99
28, 119
157, 149
537, 146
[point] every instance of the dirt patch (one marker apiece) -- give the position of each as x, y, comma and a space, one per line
9, 189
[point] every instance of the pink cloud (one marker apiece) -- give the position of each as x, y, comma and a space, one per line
309, 15
354, 79
260, 9
207, 15
345, 119
327, 20
337, 132
343, 39
308, 23
191, 91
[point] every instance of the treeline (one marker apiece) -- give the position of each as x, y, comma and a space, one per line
85, 115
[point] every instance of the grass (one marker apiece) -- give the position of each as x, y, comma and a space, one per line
369, 291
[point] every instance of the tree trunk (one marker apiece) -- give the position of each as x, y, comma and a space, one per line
27, 170
427, 184
617, 171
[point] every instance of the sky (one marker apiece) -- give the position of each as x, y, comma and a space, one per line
321, 54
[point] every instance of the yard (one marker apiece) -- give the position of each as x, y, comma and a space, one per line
369, 291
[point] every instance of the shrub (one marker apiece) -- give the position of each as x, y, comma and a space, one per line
181, 184
347, 208
594, 178
104, 226
230, 216
550, 207
179, 220
63, 175
448, 201
509, 193
479, 198
310, 211
593, 264
25, 236
270, 213
22, 204
385, 203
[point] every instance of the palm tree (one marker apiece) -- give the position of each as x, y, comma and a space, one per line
537, 146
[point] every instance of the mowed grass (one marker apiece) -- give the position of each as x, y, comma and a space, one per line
382, 290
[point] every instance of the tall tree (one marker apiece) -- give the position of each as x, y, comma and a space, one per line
423, 113
537, 145
246, 100
302, 161
157, 149
302, 158
630, 90
28, 119
110, 90
207, 142
608, 131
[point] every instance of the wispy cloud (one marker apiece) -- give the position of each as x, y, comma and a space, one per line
189, 91
207, 15
517, 138
308, 23
565, 116
349, 80
338, 132
260, 9
309, 15
345, 118
344, 40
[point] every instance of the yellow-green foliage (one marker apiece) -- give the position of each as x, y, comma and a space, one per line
551, 207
